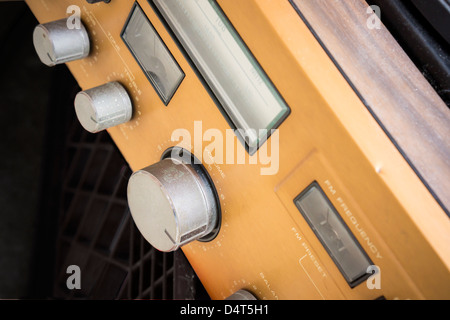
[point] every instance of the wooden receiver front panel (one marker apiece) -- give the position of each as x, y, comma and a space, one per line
265, 245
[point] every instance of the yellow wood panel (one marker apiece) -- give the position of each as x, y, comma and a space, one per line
329, 136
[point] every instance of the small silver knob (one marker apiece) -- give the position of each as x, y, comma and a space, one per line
103, 107
56, 43
172, 203
242, 295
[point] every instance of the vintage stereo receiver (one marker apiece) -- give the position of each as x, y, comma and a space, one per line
289, 148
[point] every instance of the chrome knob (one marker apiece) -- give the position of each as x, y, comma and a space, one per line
103, 107
173, 202
56, 43
242, 295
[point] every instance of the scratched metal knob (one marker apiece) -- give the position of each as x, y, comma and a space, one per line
242, 295
57, 42
173, 203
103, 107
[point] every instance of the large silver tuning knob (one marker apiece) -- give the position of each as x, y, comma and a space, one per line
173, 202
58, 42
103, 107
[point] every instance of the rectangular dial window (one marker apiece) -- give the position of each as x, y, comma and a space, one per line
242, 88
152, 54
334, 234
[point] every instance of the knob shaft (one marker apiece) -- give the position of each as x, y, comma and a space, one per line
103, 107
56, 43
173, 203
